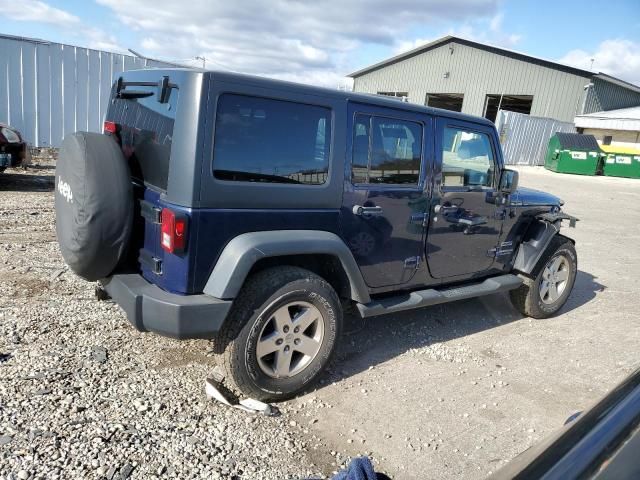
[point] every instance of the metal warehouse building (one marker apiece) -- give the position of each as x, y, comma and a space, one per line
50, 89
462, 75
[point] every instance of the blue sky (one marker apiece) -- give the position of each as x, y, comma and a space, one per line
320, 42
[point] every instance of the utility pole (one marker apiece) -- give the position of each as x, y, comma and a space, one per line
204, 61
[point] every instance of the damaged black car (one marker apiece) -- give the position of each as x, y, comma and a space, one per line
13, 148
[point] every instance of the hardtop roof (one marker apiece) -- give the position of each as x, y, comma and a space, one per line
366, 98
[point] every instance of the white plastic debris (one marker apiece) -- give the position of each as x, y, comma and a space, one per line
214, 390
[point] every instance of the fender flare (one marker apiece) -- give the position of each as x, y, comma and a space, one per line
529, 252
241, 254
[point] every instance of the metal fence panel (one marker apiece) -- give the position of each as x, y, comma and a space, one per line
82, 89
57, 114
43, 95
105, 82
525, 138
48, 90
94, 115
29, 90
14, 57
4, 84
69, 90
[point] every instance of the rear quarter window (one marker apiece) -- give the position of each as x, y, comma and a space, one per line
271, 141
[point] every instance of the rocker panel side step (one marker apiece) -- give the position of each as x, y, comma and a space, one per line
425, 298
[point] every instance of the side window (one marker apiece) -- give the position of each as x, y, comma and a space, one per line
271, 141
467, 158
386, 150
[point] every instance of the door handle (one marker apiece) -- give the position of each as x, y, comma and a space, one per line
444, 210
366, 211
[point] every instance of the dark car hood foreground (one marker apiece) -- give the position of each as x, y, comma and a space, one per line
528, 196
601, 443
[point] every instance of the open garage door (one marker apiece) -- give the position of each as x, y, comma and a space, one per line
512, 103
446, 101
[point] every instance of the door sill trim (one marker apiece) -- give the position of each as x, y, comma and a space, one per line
425, 298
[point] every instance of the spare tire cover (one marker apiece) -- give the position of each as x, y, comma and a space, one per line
94, 204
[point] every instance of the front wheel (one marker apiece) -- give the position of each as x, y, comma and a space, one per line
281, 333
549, 287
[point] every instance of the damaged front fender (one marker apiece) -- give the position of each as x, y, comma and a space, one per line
540, 234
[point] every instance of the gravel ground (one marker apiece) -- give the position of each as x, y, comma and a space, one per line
453, 391
84, 395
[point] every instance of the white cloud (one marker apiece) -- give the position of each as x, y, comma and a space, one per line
41, 12
303, 41
617, 57
496, 22
37, 11
485, 30
311, 42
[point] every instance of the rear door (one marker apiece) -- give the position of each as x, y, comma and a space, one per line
467, 213
142, 112
384, 203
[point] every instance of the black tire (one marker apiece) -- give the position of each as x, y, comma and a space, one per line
527, 298
94, 204
253, 311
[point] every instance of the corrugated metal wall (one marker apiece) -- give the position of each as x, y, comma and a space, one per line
605, 95
476, 73
49, 89
525, 138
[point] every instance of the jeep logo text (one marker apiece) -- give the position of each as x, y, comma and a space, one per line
64, 189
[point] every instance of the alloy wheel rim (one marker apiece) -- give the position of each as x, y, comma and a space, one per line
554, 279
290, 340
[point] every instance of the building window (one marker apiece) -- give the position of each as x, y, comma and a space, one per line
512, 103
607, 140
271, 141
446, 101
467, 158
386, 150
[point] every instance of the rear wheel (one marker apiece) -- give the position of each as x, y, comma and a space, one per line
545, 292
280, 334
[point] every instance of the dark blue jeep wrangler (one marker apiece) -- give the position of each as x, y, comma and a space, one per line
251, 211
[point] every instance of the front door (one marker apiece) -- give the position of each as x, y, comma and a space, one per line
466, 213
384, 204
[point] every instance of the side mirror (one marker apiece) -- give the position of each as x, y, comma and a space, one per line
508, 181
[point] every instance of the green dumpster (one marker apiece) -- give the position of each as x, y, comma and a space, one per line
573, 153
621, 161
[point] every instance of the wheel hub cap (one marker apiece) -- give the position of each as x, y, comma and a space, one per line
554, 279
290, 339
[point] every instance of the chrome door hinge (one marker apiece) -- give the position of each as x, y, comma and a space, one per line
498, 252
412, 262
420, 218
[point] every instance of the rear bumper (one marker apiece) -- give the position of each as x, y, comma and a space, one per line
150, 308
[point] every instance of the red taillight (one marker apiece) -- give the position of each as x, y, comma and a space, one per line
173, 234
110, 127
